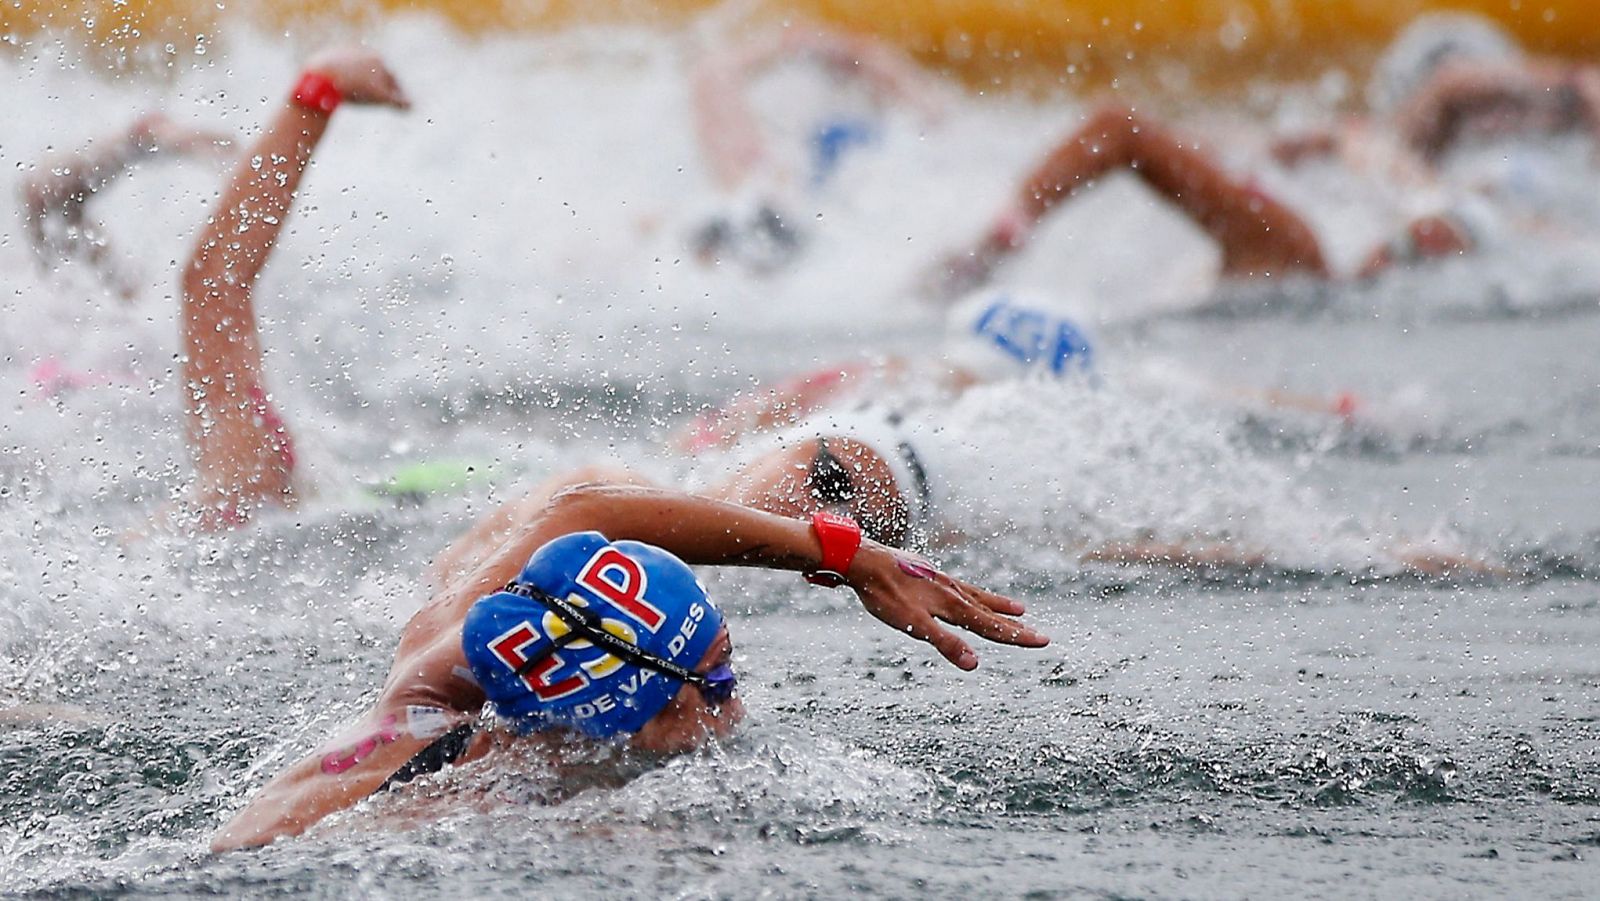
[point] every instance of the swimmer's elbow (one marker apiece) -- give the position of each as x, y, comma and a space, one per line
240, 835
225, 842
597, 505
585, 500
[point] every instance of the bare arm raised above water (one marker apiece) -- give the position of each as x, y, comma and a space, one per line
242, 450
1505, 98
1257, 234
56, 197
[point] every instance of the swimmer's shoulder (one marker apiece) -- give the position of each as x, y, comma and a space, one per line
431, 670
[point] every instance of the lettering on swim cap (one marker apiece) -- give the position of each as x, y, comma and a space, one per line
686, 630
540, 672
620, 579
615, 577
510, 648
638, 677
609, 702
1030, 336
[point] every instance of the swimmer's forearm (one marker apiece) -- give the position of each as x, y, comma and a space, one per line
338, 776
1587, 83
725, 124
904, 593
67, 183
699, 530
238, 237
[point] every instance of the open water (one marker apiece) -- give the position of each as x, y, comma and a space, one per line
499, 277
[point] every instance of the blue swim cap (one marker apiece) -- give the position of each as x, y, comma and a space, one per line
1002, 333
640, 593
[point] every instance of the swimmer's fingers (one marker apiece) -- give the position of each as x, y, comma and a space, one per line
988, 600
965, 611
946, 642
912, 613
394, 95
361, 76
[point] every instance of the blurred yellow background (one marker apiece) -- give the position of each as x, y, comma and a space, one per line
976, 38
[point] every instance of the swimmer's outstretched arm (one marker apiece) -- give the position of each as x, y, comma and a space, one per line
725, 124
785, 403
1257, 234
893, 586
237, 444
346, 770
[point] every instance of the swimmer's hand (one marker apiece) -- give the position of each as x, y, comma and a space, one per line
913, 597
360, 75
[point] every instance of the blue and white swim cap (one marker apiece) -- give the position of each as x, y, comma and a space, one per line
639, 593
1006, 333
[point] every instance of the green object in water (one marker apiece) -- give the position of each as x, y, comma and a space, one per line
419, 480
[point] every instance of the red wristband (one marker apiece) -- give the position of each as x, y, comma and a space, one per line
840, 538
315, 91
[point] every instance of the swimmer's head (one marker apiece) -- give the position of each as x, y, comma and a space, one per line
1426, 45
1001, 333
535, 650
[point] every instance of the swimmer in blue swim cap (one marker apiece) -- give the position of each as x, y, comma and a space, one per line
585, 624
596, 637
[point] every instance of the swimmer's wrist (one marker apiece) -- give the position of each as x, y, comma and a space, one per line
316, 91
871, 564
839, 538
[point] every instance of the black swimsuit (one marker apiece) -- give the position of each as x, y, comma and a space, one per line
445, 750
830, 479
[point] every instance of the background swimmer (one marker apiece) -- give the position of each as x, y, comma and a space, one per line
874, 438
243, 451
741, 154
56, 198
1454, 78
1258, 235
1446, 79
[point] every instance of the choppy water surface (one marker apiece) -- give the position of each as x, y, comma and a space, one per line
499, 278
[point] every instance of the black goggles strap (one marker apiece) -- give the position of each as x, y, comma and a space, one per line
585, 626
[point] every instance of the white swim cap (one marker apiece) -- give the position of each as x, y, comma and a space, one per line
1428, 43
1005, 333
